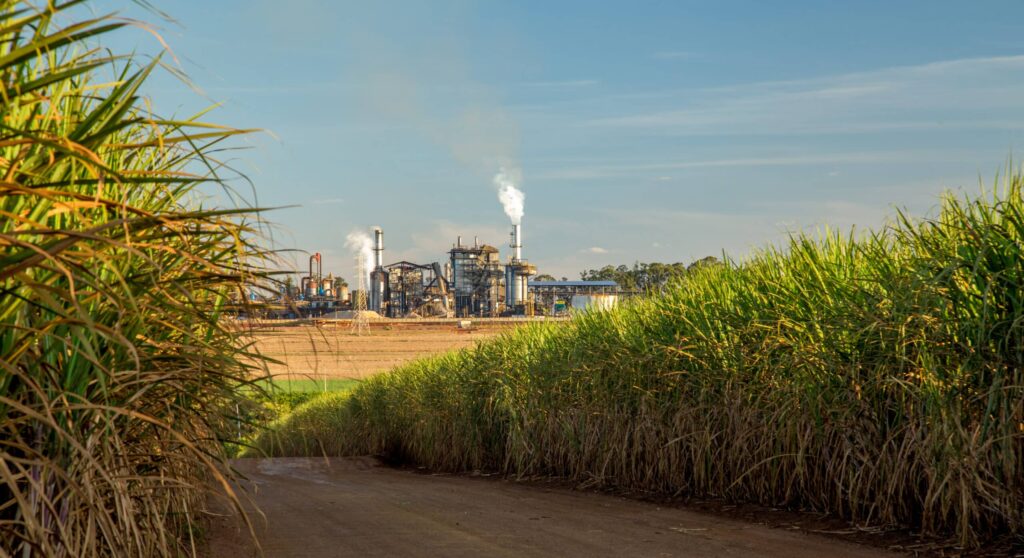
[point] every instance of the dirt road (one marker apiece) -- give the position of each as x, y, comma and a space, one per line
355, 507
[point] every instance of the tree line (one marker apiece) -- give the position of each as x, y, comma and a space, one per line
640, 277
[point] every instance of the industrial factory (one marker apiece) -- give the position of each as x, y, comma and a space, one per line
473, 282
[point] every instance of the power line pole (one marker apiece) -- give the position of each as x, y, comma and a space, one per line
360, 322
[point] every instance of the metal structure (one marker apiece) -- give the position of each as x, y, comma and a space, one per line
360, 322
310, 285
317, 293
558, 297
416, 291
476, 279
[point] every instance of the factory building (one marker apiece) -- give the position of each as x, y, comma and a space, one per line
476, 279
556, 298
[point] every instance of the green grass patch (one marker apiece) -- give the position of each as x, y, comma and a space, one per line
309, 385
319, 425
284, 395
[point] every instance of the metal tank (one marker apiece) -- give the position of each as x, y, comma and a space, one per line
594, 301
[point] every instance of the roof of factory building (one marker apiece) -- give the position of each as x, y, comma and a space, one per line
573, 284
478, 248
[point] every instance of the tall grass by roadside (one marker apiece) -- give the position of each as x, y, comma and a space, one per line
118, 369
880, 379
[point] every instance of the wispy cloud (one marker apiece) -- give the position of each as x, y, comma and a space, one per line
431, 242
674, 55
598, 171
596, 250
569, 83
266, 89
973, 93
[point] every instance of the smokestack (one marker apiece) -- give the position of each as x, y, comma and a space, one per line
517, 243
378, 248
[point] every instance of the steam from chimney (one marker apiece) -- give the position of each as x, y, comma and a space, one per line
511, 197
361, 246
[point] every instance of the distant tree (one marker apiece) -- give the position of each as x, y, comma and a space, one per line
545, 277
644, 277
703, 262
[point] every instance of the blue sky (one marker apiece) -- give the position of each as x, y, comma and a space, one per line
645, 131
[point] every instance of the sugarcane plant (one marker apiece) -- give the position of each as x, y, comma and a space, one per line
876, 377
120, 366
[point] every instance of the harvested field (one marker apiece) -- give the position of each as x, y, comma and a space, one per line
331, 350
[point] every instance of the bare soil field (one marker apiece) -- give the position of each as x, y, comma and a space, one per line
320, 507
332, 350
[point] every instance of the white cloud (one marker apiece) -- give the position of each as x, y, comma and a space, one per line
596, 250
974, 93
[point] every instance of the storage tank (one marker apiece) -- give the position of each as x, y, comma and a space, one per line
594, 301
510, 297
343, 293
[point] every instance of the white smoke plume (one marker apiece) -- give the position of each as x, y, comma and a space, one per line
512, 198
361, 246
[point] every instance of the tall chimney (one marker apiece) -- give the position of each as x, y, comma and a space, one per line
378, 248
517, 243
